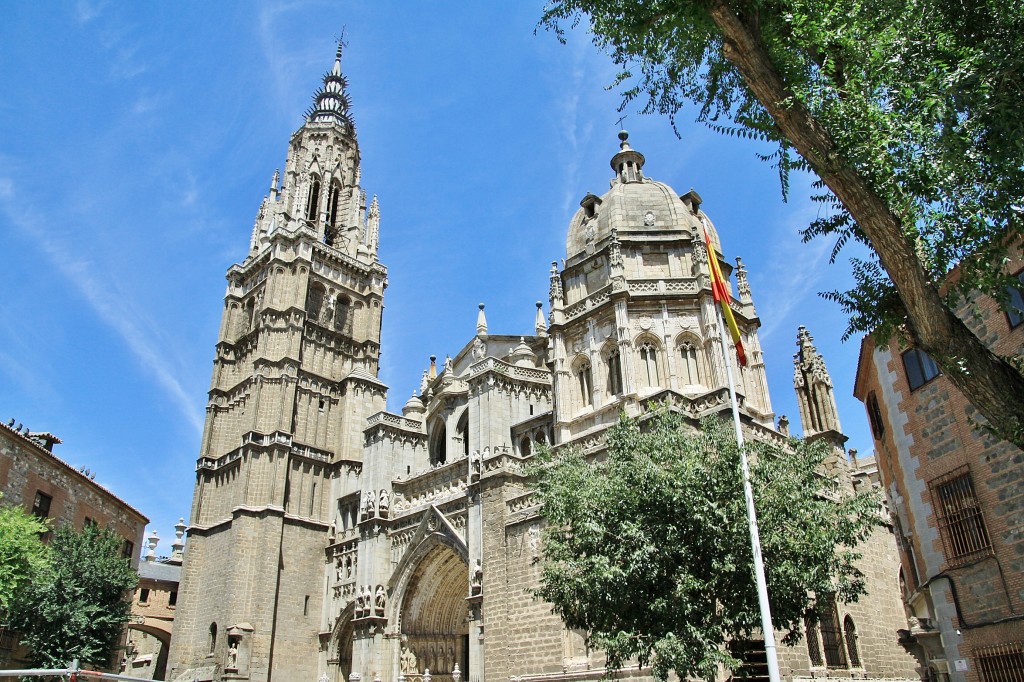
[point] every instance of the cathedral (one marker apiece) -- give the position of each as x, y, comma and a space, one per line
332, 540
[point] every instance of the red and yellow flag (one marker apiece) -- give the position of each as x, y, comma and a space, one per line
722, 298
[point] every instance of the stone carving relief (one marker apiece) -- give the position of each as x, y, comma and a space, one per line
479, 349
649, 219
476, 581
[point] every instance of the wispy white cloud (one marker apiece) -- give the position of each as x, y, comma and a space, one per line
111, 304
86, 11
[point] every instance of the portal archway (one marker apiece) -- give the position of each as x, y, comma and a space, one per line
433, 613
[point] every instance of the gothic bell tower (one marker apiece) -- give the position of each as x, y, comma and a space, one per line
294, 379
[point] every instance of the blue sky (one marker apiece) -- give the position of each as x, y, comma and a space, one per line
139, 138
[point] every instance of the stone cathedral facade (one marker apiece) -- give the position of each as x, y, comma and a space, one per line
331, 540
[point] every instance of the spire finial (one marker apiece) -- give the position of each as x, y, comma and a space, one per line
330, 101
481, 321
540, 325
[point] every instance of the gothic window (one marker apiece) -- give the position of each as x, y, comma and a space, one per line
313, 203
961, 523
315, 302
343, 315
813, 642
462, 431
524, 447
920, 368
250, 312
649, 363
333, 199
690, 354
850, 632
213, 637
875, 416
438, 443
831, 636
1015, 302
614, 372
585, 383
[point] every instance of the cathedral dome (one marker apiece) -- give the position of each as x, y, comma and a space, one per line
634, 204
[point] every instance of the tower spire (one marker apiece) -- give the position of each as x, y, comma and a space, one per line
813, 386
331, 103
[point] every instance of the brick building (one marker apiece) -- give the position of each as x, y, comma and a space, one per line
957, 500
47, 486
331, 540
153, 608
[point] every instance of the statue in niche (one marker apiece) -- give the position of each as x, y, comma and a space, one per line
327, 311
332, 531
385, 502
475, 465
407, 662
367, 600
337, 570
233, 654
359, 605
348, 567
368, 504
380, 600
476, 581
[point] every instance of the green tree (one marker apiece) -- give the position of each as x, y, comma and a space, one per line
77, 607
908, 113
649, 551
22, 555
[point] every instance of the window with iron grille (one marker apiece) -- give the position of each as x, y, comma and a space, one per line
1001, 663
850, 631
832, 636
1015, 304
813, 643
959, 515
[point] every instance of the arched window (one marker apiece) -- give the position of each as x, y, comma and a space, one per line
850, 632
813, 642
585, 383
313, 203
525, 447
439, 443
649, 363
315, 302
250, 311
343, 315
333, 199
614, 372
213, 637
831, 637
463, 432
691, 361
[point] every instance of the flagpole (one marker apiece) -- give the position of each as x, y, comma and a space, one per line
755, 538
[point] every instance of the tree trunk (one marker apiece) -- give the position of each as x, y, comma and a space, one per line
992, 384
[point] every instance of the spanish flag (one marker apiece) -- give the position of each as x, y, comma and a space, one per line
722, 298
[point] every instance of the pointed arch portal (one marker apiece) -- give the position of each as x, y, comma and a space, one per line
433, 612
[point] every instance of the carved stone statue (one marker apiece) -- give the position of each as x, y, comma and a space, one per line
475, 465
380, 600
407, 662
360, 605
233, 654
368, 504
385, 502
367, 600
476, 581
479, 348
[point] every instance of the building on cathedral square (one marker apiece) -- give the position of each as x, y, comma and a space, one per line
332, 540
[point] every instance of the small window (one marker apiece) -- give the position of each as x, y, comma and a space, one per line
41, 504
305, 606
144, 595
875, 416
127, 549
172, 598
920, 368
89, 523
213, 638
1015, 304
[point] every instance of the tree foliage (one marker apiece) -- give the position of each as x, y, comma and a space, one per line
78, 605
22, 555
649, 552
906, 110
